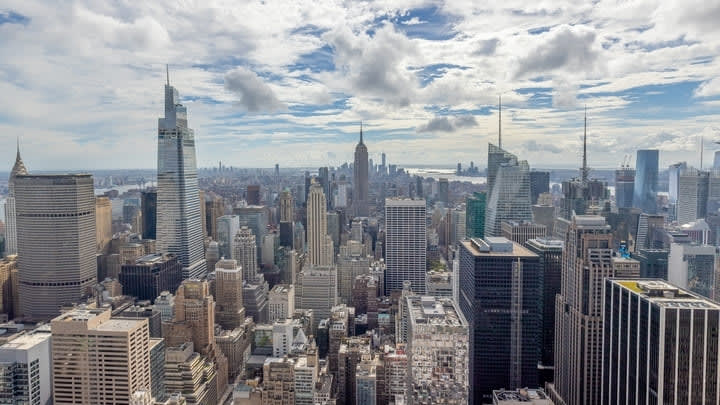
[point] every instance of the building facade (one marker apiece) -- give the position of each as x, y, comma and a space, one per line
405, 244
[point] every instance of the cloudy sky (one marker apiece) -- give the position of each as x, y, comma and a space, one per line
81, 82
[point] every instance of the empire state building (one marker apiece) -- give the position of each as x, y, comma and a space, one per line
360, 179
179, 226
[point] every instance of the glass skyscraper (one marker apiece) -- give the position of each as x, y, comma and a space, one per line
179, 226
509, 190
646, 178
475, 215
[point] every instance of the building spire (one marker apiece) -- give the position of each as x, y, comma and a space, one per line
361, 136
584, 162
500, 121
17, 141
167, 73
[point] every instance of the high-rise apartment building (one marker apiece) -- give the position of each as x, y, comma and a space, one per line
150, 275
228, 294
97, 359
660, 344
245, 252
438, 352
624, 187
360, 179
475, 215
646, 179
11, 242
320, 247
509, 192
405, 244
587, 260
55, 220
179, 226
25, 376
501, 297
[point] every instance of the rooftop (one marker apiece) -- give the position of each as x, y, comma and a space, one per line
522, 395
664, 294
434, 311
496, 246
26, 341
120, 325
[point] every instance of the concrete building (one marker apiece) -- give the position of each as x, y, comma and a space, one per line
625, 267
587, 260
227, 227
677, 361
439, 283
25, 365
350, 353
352, 262
228, 294
255, 217
179, 226
306, 375
521, 231
317, 290
501, 298
245, 253
165, 304
9, 286
394, 373
360, 180
55, 219
191, 375
97, 359
278, 381
366, 382
103, 222
405, 244
692, 266
236, 346
438, 350
281, 303
320, 248
150, 275
522, 396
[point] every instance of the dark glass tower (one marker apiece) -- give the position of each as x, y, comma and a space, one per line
149, 214
539, 183
475, 215
646, 178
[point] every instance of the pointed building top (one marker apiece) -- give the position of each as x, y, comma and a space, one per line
19, 167
167, 73
500, 121
361, 136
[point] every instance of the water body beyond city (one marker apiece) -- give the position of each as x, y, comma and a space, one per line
445, 174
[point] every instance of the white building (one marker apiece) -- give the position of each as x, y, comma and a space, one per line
281, 302
317, 290
405, 244
227, 227
25, 369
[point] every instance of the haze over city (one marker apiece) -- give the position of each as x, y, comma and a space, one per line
269, 80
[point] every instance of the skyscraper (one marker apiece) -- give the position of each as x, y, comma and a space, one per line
149, 213
320, 246
646, 179
509, 190
501, 298
475, 215
674, 180
317, 290
692, 266
360, 178
539, 183
228, 293
227, 228
660, 344
148, 276
624, 186
692, 199
56, 242
103, 222
245, 253
25, 364
11, 242
443, 194
405, 244
179, 226
587, 259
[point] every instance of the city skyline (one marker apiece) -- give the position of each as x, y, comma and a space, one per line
423, 77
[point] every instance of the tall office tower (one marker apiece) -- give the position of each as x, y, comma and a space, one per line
360, 179
179, 226
25, 369
653, 263
350, 354
509, 197
405, 244
11, 239
674, 171
252, 194
203, 214
693, 187
624, 186
256, 218
475, 215
647, 223
245, 253
236, 346
713, 197
214, 209
443, 191
438, 352
539, 183
103, 222
191, 375
368, 382
320, 249
501, 298
587, 259
255, 299
287, 206
194, 321
55, 219
317, 290
212, 255
97, 359
227, 229
646, 178
333, 228
550, 253
521, 231
692, 266
660, 344
352, 262
148, 202
150, 275
324, 179
281, 302
230, 312
625, 267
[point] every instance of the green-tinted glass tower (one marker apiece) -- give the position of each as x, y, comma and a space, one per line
475, 215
